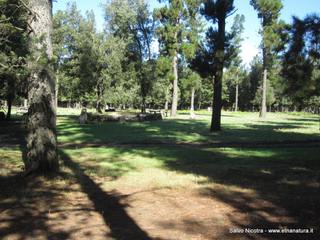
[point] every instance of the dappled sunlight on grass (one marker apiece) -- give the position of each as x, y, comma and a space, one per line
237, 127
184, 190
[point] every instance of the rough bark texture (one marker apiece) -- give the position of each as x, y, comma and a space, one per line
263, 110
218, 74
175, 86
41, 140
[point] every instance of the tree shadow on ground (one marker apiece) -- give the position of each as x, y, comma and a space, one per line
37, 207
282, 184
122, 226
12, 132
274, 190
175, 131
23, 208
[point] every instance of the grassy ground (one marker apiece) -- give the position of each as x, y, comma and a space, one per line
169, 191
237, 127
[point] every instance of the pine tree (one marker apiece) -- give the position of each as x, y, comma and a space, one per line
217, 11
301, 61
41, 140
268, 12
14, 51
178, 34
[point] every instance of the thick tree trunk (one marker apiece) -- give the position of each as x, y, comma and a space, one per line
216, 108
218, 74
41, 140
237, 94
174, 105
263, 110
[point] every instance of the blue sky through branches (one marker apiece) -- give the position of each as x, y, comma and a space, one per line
250, 46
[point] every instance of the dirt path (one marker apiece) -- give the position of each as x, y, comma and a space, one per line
84, 210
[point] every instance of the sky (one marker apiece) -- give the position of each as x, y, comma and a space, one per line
250, 45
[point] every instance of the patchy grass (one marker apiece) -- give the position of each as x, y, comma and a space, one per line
167, 191
237, 127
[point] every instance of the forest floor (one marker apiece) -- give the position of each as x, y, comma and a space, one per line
167, 180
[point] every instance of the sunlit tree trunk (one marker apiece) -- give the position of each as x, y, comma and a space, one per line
166, 105
263, 110
175, 86
192, 103
41, 140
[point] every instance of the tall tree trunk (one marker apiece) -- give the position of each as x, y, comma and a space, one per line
57, 91
166, 105
143, 105
174, 105
218, 74
237, 94
263, 111
192, 100
192, 103
41, 140
167, 96
99, 97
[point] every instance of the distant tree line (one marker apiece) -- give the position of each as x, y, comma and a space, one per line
141, 58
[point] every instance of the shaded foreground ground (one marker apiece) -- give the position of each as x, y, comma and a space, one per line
173, 192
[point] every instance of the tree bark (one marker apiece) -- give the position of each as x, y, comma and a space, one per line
237, 94
174, 105
263, 110
218, 74
41, 140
